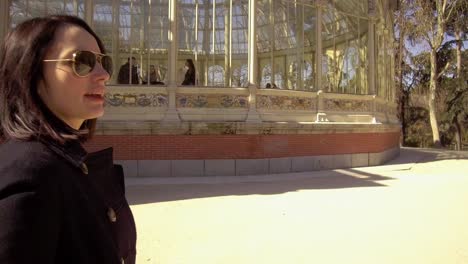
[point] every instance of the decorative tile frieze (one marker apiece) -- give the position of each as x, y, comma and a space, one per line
272, 102
347, 105
135, 100
211, 101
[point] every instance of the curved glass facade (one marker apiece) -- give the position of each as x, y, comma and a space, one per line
337, 46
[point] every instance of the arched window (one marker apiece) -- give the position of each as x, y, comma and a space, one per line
266, 76
307, 75
215, 75
240, 76
292, 76
279, 80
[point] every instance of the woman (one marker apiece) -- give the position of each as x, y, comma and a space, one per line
153, 76
190, 73
58, 204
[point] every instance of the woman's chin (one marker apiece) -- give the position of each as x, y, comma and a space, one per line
96, 114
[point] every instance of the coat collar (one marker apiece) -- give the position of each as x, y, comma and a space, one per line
72, 151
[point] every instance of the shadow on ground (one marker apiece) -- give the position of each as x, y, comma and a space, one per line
345, 178
315, 180
422, 155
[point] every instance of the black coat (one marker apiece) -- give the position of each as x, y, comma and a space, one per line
124, 74
59, 205
189, 78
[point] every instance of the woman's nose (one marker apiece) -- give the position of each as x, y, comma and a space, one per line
101, 73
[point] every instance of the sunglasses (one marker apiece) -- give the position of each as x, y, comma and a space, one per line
84, 61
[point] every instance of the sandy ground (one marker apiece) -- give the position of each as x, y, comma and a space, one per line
412, 210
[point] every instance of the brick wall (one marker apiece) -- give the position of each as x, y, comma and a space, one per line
179, 147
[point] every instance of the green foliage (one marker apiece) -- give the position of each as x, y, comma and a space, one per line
431, 22
419, 132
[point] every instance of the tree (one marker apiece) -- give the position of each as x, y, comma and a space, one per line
428, 24
457, 27
401, 27
457, 100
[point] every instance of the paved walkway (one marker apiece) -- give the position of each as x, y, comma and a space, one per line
412, 210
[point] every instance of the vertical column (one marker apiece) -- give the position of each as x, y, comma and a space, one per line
197, 64
4, 18
227, 42
171, 113
371, 56
371, 48
386, 66
143, 37
252, 115
318, 49
391, 72
321, 116
299, 9
172, 37
206, 44
285, 72
213, 40
148, 45
115, 37
88, 12
272, 40
75, 7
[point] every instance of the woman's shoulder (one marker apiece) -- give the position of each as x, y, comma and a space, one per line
24, 161
28, 152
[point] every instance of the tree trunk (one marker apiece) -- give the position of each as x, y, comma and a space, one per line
431, 100
403, 101
458, 138
455, 123
402, 95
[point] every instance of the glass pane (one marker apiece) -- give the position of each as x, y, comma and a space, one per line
135, 35
239, 36
264, 43
344, 53
21, 10
213, 34
286, 44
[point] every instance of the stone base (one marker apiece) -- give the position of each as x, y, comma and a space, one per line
240, 167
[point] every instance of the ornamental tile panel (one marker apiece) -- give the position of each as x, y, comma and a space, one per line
135, 100
272, 102
347, 105
211, 101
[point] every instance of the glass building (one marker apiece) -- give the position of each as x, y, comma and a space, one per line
338, 46
284, 68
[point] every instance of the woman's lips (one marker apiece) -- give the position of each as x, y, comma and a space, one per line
95, 97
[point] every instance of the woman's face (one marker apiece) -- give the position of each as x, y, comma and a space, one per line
71, 98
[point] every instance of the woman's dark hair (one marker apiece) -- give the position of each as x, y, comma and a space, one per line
189, 78
191, 65
23, 115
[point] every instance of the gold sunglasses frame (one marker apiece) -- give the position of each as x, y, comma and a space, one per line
97, 55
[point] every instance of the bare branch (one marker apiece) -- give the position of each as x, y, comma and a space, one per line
426, 35
451, 8
443, 70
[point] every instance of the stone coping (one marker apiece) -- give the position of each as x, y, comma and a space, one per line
240, 91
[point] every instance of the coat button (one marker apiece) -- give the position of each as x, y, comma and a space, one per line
111, 214
84, 168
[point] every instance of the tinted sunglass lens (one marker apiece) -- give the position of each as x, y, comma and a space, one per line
84, 62
106, 62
